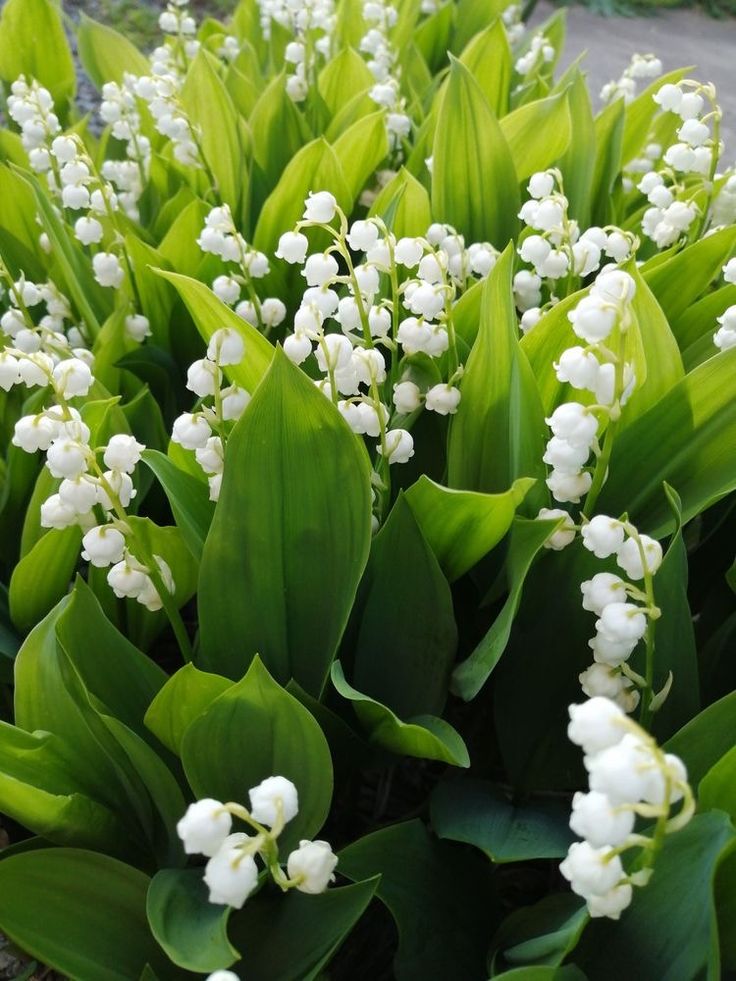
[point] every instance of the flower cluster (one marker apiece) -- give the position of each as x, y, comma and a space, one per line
628, 776
29, 331
626, 613
119, 109
381, 16
725, 337
206, 429
556, 248
220, 237
231, 874
601, 319
31, 106
673, 207
513, 22
356, 372
640, 67
312, 23
539, 53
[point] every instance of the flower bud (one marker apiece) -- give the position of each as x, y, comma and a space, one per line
273, 798
312, 866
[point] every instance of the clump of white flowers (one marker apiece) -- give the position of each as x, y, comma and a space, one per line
312, 24
640, 67
725, 337
38, 320
539, 53
629, 776
556, 249
601, 320
670, 190
220, 237
119, 109
205, 430
31, 106
232, 874
381, 16
626, 613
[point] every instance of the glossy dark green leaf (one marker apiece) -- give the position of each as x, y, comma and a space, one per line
463, 526
717, 789
254, 730
79, 912
188, 498
706, 738
542, 934
441, 897
290, 536
474, 183
498, 433
669, 931
293, 937
426, 737
191, 930
180, 701
479, 813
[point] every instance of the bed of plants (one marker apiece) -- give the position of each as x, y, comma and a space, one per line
367, 527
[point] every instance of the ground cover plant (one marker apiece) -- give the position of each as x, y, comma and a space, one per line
366, 502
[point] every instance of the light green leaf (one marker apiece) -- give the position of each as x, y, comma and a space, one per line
578, 163
360, 150
106, 54
609, 134
538, 134
342, 78
180, 701
33, 43
488, 57
42, 576
189, 500
404, 205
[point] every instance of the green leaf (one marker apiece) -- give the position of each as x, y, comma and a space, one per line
253, 730
542, 934
191, 930
669, 932
404, 205
609, 134
440, 896
640, 113
399, 660
189, 500
425, 737
480, 814
474, 183
290, 536
527, 538
293, 937
498, 433
578, 163
210, 110
538, 134
717, 789
79, 912
210, 314
18, 227
42, 576
463, 526
706, 738
33, 43
180, 701
682, 439
106, 54
279, 132
488, 57
472, 17
360, 150
343, 77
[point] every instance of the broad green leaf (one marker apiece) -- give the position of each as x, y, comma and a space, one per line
669, 932
474, 183
498, 433
538, 134
472, 17
404, 206
42, 576
290, 536
425, 737
155, 296
441, 897
463, 526
681, 280
683, 439
432, 37
279, 132
79, 912
360, 150
403, 661
293, 937
527, 538
480, 814
189, 500
210, 110
180, 701
640, 114
488, 57
191, 930
210, 314
342, 78
609, 134
18, 228
33, 43
577, 165
698, 322
253, 730
717, 789
542, 934
106, 54
706, 738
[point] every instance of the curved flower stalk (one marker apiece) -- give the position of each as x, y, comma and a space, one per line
640, 67
231, 874
557, 250
675, 190
220, 237
629, 777
369, 360
205, 430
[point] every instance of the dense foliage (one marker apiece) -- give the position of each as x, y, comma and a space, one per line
368, 429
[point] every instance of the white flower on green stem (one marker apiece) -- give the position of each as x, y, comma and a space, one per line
274, 799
